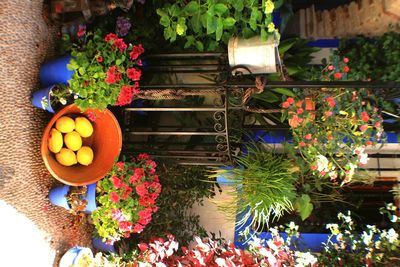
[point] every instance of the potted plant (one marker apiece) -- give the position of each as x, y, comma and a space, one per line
105, 71
77, 199
126, 199
52, 97
332, 134
262, 187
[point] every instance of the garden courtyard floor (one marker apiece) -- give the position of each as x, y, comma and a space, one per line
26, 41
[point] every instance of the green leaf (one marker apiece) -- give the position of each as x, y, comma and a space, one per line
238, 5
161, 12
199, 46
165, 21
81, 71
286, 45
304, 206
195, 22
264, 35
220, 9
229, 22
212, 24
192, 7
118, 62
219, 30
278, 4
189, 41
73, 65
284, 91
203, 20
247, 33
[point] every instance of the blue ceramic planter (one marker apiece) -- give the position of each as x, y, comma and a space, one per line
56, 71
41, 99
72, 256
57, 197
100, 245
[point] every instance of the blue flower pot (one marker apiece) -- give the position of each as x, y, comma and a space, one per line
100, 245
57, 196
72, 256
41, 99
56, 71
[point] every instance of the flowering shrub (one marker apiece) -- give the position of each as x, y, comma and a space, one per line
332, 127
106, 71
126, 198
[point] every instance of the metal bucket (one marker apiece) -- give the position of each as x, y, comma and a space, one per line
257, 55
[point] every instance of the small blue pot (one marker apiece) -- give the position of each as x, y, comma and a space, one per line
41, 99
56, 71
57, 196
100, 245
71, 257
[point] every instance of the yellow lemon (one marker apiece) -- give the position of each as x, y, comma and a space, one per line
55, 141
65, 124
85, 155
73, 141
83, 127
66, 157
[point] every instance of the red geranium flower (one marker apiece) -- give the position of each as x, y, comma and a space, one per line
120, 165
364, 116
338, 75
300, 111
345, 60
114, 197
120, 44
116, 182
346, 69
110, 36
285, 104
290, 100
137, 50
134, 74
99, 59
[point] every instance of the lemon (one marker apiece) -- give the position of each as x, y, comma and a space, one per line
65, 124
66, 157
83, 127
55, 141
73, 141
85, 155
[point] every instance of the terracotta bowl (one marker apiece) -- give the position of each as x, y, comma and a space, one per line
106, 142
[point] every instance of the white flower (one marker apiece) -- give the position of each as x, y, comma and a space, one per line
274, 231
392, 236
363, 158
359, 150
76, 96
367, 238
293, 226
333, 227
304, 259
44, 102
322, 163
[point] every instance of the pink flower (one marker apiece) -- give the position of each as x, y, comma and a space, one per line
363, 127
308, 136
116, 182
313, 167
302, 144
290, 100
143, 156
331, 101
120, 165
345, 60
125, 226
300, 111
377, 124
331, 67
117, 215
114, 197
285, 104
328, 113
295, 121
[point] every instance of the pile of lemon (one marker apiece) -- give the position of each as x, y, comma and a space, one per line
69, 132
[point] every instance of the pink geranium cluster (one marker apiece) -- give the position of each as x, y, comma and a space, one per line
127, 198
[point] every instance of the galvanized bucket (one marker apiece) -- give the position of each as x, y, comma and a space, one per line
253, 53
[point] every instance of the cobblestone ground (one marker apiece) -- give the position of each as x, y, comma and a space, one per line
26, 41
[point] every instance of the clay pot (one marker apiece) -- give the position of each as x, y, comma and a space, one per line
106, 143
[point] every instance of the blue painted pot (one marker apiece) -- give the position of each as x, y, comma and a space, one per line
56, 71
100, 245
41, 99
72, 256
57, 196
